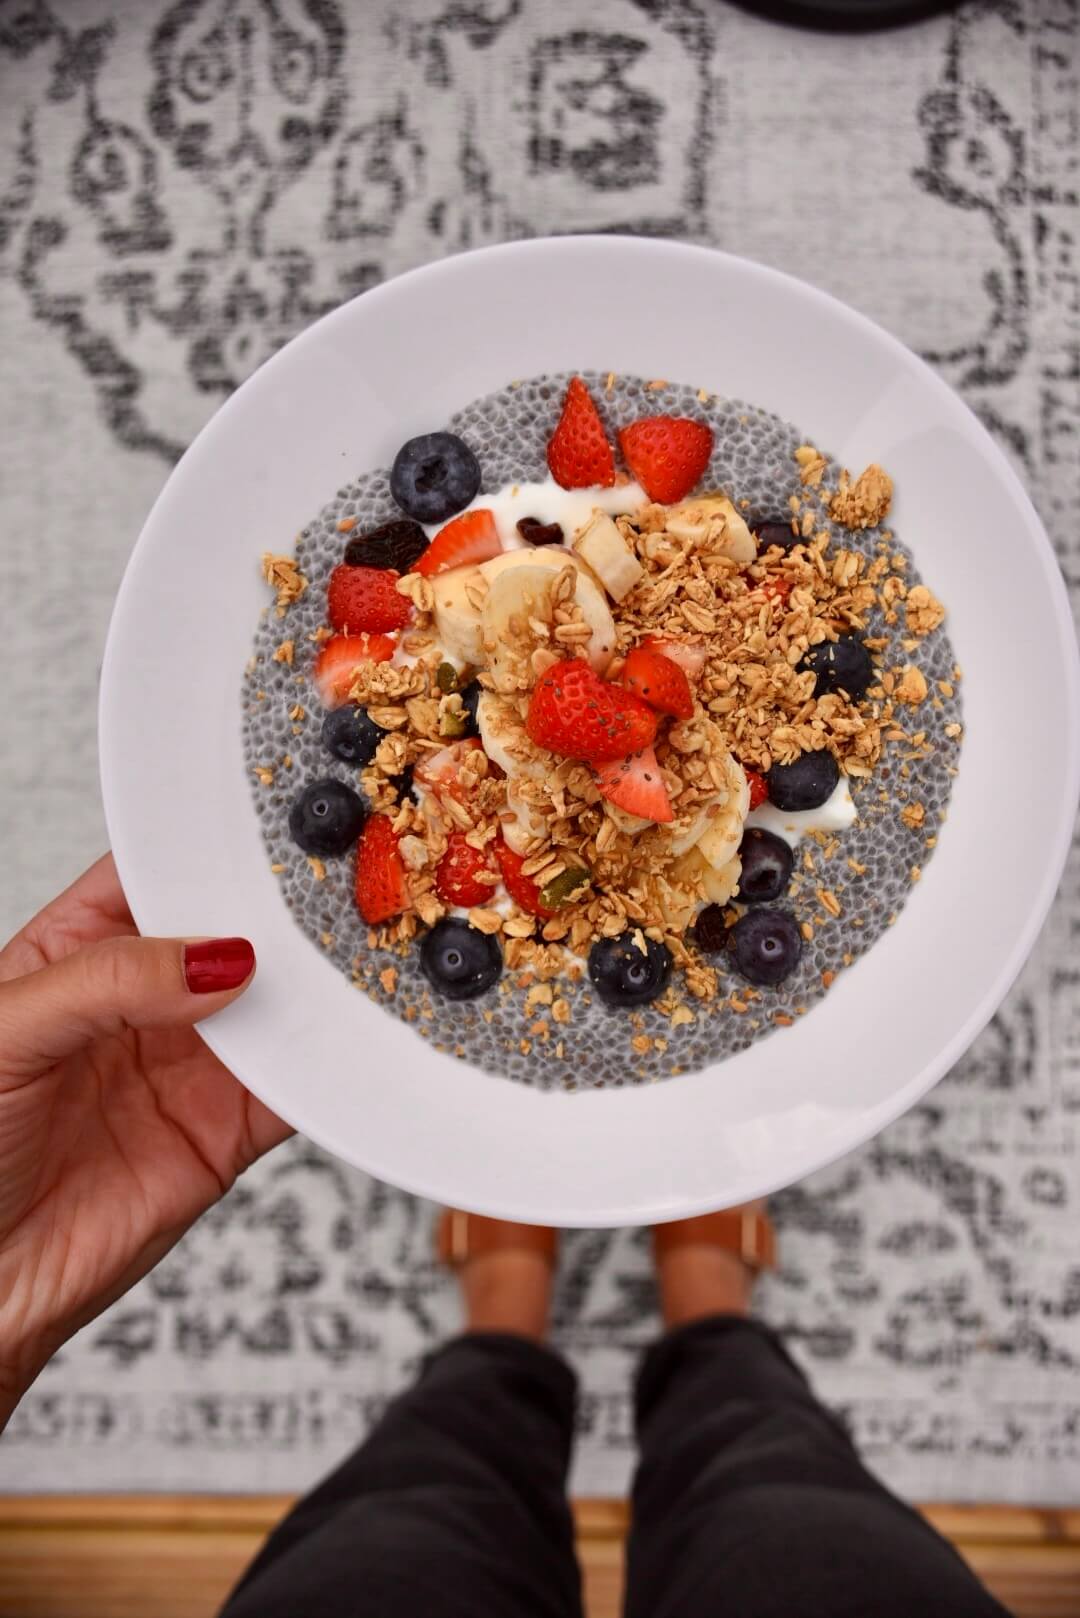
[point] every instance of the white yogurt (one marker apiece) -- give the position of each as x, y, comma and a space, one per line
835, 814
547, 502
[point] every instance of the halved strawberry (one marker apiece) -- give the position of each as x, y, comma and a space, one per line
574, 713
464, 542
459, 874
441, 771
690, 658
659, 681
636, 785
578, 452
381, 889
522, 889
342, 658
364, 598
667, 454
759, 787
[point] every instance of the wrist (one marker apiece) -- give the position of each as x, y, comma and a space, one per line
12, 1388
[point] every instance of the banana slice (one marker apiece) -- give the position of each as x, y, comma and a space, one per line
457, 621
514, 596
685, 833
600, 647
628, 823
505, 741
719, 842
678, 903
712, 517
604, 549
526, 823
718, 887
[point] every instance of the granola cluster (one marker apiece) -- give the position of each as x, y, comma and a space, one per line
754, 620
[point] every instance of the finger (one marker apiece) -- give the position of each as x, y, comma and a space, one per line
117, 983
92, 907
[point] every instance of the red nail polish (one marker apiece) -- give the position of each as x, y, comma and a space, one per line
218, 964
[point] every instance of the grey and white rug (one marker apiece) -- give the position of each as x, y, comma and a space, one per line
182, 187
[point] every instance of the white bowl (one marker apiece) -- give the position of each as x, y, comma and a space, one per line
339, 400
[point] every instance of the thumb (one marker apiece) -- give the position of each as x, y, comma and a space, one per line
117, 983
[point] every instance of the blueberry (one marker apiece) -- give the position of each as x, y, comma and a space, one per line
326, 818
776, 531
711, 930
433, 476
403, 785
841, 665
470, 697
397, 544
767, 945
460, 961
351, 735
805, 784
623, 975
767, 863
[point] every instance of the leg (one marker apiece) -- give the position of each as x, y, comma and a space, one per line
750, 1500
455, 1505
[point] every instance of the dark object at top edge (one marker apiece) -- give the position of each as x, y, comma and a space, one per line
847, 16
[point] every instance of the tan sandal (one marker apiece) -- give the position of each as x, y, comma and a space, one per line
747, 1232
461, 1236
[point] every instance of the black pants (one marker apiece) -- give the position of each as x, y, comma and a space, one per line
749, 1501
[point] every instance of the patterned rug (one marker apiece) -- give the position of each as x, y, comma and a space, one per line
182, 187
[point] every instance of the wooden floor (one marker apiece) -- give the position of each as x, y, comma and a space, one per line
157, 1556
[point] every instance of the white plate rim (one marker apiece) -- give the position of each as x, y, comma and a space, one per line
583, 1212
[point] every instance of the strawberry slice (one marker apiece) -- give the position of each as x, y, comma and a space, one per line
690, 658
777, 588
459, 874
667, 454
636, 785
342, 658
658, 681
574, 713
381, 889
759, 787
578, 453
522, 889
365, 598
464, 542
441, 771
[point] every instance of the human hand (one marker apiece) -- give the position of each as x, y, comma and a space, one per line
118, 1125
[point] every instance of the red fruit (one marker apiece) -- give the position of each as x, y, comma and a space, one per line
636, 785
578, 452
381, 889
667, 454
576, 714
464, 542
690, 658
522, 889
658, 681
342, 658
441, 771
365, 598
777, 588
759, 788
458, 877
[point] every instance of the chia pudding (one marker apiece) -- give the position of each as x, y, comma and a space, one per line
600, 733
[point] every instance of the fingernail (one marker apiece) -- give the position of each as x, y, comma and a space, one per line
218, 964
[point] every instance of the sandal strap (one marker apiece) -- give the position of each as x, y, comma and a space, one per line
461, 1236
746, 1232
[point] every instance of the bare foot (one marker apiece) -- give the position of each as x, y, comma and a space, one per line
508, 1291
698, 1278
506, 1287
